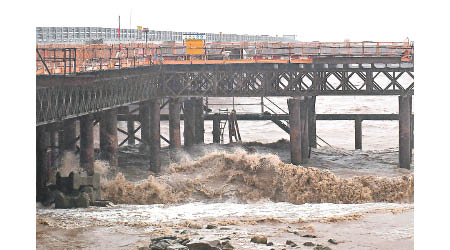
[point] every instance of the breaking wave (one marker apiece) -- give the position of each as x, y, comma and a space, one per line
244, 177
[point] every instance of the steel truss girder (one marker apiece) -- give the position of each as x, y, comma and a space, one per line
62, 102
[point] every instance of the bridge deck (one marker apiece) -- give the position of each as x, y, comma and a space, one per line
69, 59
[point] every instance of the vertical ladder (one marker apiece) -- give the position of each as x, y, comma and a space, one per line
223, 123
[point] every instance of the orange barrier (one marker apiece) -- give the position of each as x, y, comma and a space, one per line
72, 58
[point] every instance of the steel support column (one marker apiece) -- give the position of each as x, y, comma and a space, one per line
216, 129
42, 161
304, 128
108, 137
174, 122
312, 121
87, 144
358, 134
404, 131
154, 140
69, 135
199, 121
144, 117
189, 123
295, 131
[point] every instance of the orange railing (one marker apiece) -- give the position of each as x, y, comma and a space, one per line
68, 59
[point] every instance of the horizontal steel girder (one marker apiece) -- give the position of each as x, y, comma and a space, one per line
59, 98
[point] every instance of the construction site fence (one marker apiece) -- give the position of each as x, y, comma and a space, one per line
70, 59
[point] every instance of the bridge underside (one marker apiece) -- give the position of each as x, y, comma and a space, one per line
60, 97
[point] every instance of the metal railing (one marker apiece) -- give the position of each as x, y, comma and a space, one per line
61, 59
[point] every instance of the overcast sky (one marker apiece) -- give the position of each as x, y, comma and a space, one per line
309, 20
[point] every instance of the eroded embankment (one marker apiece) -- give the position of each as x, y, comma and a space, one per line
250, 177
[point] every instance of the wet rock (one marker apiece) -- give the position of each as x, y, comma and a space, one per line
270, 243
225, 238
291, 243
259, 239
226, 245
211, 226
320, 247
177, 246
144, 248
68, 201
309, 236
309, 244
332, 241
205, 245
195, 225
184, 241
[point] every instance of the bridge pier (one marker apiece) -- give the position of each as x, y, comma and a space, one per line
312, 122
87, 144
189, 123
304, 106
42, 161
199, 121
358, 134
130, 129
108, 137
174, 122
69, 135
144, 118
216, 129
405, 104
295, 131
154, 135
54, 148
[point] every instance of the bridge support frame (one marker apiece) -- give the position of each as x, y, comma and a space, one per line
108, 137
405, 152
174, 122
144, 118
87, 144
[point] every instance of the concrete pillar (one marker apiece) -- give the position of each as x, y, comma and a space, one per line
295, 131
199, 121
312, 121
42, 160
144, 117
404, 131
216, 129
189, 123
87, 144
154, 140
69, 135
108, 137
304, 129
174, 122
358, 134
